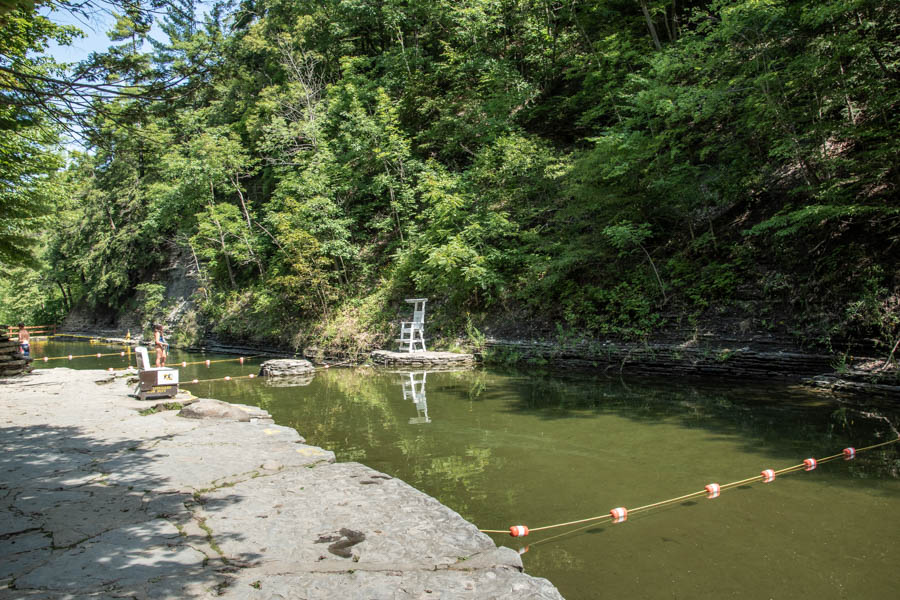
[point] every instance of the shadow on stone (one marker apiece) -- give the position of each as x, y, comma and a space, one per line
67, 525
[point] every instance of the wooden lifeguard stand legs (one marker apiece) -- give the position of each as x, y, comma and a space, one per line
412, 335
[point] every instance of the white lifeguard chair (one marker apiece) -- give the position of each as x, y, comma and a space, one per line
414, 389
412, 333
154, 382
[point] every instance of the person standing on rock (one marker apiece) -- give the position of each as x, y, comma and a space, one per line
24, 340
162, 346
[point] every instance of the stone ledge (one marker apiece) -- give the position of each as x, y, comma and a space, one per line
421, 359
286, 367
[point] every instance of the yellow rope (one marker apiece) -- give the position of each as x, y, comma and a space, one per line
722, 488
226, 378
203, 362
181, 364
559, 535
89, 337
72, 356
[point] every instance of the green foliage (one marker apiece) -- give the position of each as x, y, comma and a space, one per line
151, 302
527, 162
624, 235
475, 336
28, 157
26, 296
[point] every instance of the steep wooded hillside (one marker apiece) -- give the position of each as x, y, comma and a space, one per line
610, 167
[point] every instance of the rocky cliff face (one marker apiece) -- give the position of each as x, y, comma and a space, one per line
180, 279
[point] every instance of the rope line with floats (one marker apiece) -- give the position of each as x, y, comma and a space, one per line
208, 362
712, 490
93, 339
71, 356
226, 378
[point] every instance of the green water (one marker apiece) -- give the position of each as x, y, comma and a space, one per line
535, 448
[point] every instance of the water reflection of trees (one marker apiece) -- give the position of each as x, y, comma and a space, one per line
784, 419
362, 416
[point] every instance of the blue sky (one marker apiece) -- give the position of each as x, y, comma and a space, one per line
94, 26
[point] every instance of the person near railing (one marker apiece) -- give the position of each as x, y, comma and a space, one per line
24, 340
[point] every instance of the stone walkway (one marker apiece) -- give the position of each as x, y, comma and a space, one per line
98, 501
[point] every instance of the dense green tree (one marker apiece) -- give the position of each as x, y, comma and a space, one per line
606, 164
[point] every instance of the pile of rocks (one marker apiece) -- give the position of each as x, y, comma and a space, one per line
11, 360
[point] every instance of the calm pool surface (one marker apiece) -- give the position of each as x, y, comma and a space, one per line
537, 448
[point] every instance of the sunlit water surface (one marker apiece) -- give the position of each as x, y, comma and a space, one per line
536, 448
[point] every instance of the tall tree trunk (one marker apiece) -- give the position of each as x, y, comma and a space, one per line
674, 19
876, 54
650, 25
197, 265
66, 303
212, 205
235, 181
112, 223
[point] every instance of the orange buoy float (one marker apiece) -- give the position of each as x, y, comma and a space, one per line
227, 378
184, 363
46, 359
99, 355
619, 514
849, 453
810, 464
518, 531
713, 490
242, 360
207, 362
523, 550
70, 358
768, 475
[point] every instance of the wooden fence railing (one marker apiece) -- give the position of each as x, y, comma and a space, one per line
33, 329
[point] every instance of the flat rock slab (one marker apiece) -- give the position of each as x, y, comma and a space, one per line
345, 516
123, 560
99, 501
207, 408
286, 367
434, 360
215, 454
395, 585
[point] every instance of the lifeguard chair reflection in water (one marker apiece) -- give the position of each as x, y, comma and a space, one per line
154, 382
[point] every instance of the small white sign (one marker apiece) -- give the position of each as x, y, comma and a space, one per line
167, 377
